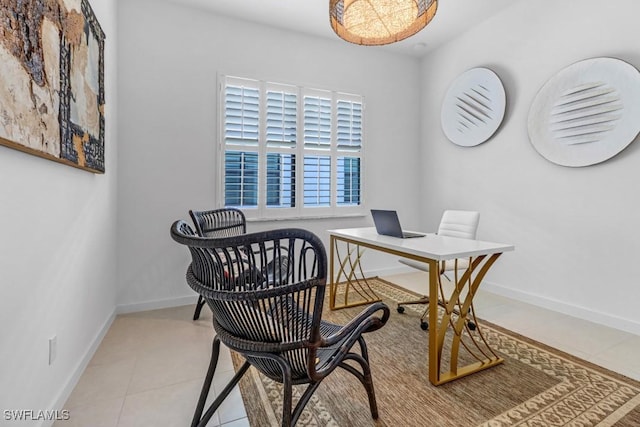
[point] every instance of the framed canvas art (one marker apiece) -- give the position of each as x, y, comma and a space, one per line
52, 81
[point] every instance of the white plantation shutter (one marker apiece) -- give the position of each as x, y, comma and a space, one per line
241, 115
317, 181
317, 122
289, 151
241, 179
317, 141
282, 118
281, 180
349, 132
348, 181
349, 141
281, 135
241, 131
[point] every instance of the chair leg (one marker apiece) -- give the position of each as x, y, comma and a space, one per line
368, 379
363, 348
200, 420
424, 318
364, 377
304, 399
201, 302
287, 399
289, 414
425, 315
215, 352
223, 395
373, 405
423, 300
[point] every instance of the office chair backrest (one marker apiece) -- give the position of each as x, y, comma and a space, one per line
462, 224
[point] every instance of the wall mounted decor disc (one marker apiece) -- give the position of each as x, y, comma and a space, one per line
473, 107
587, 113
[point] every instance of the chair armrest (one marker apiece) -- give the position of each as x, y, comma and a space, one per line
362, 323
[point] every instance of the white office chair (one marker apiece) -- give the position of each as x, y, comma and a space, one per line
463, 224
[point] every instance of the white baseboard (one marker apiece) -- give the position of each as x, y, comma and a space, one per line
71, 383
400, 269
564, 308
157, 304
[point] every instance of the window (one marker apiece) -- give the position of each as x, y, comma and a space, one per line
290, 151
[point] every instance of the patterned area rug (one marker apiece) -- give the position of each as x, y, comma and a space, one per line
535, 386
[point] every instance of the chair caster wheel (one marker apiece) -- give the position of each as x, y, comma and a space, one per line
472, 326
400, 309
424, 326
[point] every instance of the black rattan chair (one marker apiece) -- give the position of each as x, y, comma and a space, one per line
274, 318
223, 222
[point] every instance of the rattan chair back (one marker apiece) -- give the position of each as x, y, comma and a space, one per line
223, 222
258, 304
266, 291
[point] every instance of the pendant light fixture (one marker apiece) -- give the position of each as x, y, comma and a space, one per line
378, 22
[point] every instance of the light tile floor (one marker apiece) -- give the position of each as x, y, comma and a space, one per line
148, 371
149, 368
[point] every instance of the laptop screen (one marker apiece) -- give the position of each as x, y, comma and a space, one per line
386, 222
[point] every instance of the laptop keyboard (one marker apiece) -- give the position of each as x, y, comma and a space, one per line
408, 234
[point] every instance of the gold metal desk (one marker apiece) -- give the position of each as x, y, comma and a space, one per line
431, 249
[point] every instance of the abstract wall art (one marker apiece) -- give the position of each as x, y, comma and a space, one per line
587, 113
473, 107
52, 81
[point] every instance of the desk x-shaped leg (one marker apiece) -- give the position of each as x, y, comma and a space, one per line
455, 318
354, 280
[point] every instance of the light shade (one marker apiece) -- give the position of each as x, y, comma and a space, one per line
378, 22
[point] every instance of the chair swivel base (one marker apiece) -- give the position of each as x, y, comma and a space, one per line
424, 325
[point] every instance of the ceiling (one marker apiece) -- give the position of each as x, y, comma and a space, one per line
312, 17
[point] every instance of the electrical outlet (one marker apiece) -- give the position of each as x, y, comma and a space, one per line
53, 349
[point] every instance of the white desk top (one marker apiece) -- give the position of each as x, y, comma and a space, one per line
431, 246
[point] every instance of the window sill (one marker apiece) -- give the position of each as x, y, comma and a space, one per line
302, 218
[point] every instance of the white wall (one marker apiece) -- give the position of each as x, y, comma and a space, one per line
576, 243
169, 60
575, 229
57, 260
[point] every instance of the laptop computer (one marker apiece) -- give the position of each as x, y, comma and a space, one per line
388, 224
